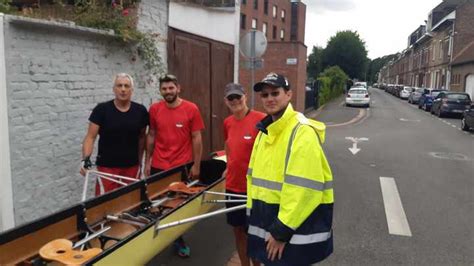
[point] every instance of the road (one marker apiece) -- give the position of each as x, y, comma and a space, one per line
404, 193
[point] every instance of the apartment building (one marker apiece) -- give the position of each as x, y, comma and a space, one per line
440, 54
283, 23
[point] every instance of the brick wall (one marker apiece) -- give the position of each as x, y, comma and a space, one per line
275, 60
463, 27
56, 74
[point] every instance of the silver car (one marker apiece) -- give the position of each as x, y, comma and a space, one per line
415, 95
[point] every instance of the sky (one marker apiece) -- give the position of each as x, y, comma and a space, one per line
384, 25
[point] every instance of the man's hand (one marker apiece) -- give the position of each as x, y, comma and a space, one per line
86, 164
147, 168
195, 170
274, 248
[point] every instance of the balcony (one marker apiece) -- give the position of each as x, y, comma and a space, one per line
209, 3
450, 17
444, 12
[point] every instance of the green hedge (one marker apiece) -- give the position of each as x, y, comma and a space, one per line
332, 84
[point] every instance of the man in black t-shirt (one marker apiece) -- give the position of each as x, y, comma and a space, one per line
121, 125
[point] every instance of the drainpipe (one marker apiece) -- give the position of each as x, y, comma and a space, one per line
451, 49
6, 195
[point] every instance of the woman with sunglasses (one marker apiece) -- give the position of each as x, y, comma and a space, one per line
239, 133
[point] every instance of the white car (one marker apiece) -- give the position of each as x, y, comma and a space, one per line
358, 97
405, 92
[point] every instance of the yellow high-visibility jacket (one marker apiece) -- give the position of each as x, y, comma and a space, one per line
290, 190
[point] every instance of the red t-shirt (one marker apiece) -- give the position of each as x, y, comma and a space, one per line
173, 128
239, 137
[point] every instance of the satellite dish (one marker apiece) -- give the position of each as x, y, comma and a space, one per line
253, 44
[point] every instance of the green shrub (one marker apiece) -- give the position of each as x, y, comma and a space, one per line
5, 6
332, 84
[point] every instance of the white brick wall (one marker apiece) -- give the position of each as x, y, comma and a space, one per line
55, 76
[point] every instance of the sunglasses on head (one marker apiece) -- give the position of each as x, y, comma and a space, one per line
273, 94
234, 97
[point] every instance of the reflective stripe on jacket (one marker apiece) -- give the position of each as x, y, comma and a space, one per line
290, 193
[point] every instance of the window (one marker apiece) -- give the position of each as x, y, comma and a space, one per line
275, 9
254, 23
244, 2
282, 34
243, 18
255, 4
446, 46
434, 51
274, 33
264, 28
283, 15
265, 7
440, 49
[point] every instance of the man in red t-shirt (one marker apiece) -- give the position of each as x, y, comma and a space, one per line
239, 132
174, 136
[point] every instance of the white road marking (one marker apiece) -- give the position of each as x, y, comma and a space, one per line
354, 150
453, 126
409, 120
396, 218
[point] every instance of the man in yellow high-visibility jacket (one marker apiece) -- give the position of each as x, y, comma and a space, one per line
289, 184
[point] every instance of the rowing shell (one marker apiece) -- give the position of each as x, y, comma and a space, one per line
123, 223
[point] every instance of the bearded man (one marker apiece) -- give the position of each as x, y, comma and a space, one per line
174, 137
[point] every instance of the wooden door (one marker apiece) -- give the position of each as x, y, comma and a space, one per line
222, 73
203, 68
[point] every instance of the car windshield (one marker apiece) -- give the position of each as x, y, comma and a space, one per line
357, 92
455, 96
435, 93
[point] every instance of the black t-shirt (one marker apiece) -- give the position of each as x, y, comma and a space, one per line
118, 133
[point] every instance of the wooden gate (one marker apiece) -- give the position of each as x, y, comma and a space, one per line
203, 68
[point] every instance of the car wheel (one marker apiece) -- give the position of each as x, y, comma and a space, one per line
440, 114
464, 126
419, 106
431, 111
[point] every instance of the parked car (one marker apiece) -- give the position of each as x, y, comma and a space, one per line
450, 103
426, 99
467, 121
360, 83
405, 92
415, 95
358, 96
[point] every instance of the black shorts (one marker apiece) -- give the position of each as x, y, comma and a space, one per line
239, 217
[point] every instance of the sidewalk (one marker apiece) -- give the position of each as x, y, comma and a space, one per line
334, 112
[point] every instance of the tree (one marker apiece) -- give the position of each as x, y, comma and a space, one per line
375, 66
347, 50
315, 63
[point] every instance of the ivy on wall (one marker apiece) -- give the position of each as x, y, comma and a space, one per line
117, 15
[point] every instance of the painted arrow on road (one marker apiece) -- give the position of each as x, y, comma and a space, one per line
354, 149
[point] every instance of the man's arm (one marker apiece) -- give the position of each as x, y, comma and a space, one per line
150, 145
141, 147
197, 153
88, 143
227, 155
